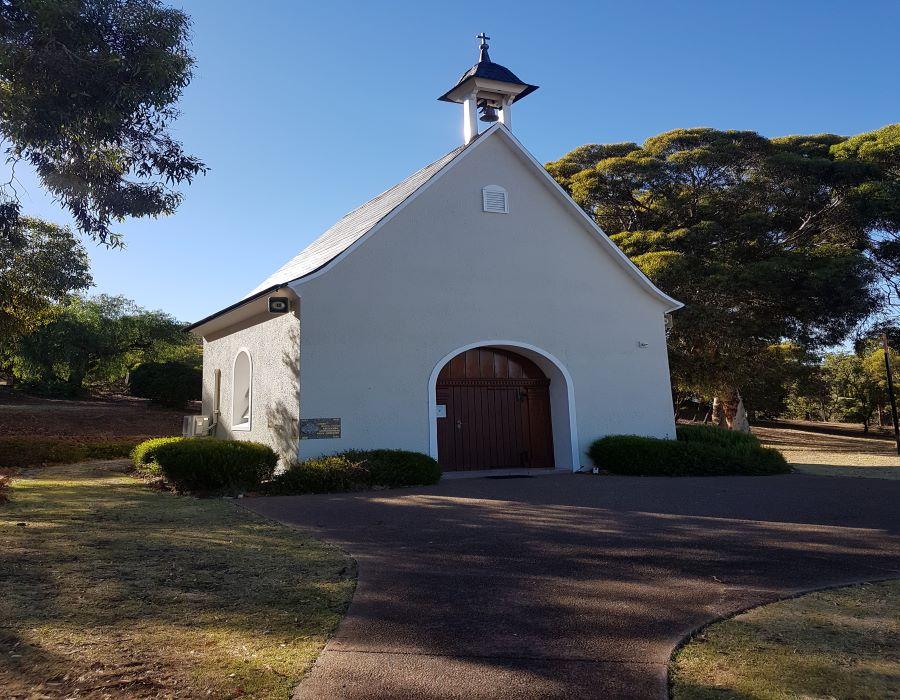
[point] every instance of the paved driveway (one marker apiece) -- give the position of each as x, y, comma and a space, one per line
573, 586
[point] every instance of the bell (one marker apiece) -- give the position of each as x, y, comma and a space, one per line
488, 114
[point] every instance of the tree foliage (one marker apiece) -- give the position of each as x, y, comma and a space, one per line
93, 341
765, 240
854, 389
169, 383
40, 263
780, 371
845, 386
87, 95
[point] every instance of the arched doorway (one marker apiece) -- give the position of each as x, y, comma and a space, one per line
494, 412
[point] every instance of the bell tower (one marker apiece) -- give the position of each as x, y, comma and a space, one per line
489, 88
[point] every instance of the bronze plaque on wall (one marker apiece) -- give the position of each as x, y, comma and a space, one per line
319, 428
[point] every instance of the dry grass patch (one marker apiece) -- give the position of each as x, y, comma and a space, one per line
111, 589
842, 643
833, 455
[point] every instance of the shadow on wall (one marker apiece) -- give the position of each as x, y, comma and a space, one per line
282, 411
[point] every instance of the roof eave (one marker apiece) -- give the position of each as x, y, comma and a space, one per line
457, 94
219, 320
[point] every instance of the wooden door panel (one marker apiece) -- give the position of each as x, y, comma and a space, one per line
540, 430
493, 427
497, 412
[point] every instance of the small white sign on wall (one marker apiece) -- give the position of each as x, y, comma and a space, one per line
440, 410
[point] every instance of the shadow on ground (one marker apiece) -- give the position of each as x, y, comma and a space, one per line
573, 586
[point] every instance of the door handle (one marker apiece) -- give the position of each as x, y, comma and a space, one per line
458, 424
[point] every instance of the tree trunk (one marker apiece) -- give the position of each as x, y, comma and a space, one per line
718, 413
729, 413
77, 372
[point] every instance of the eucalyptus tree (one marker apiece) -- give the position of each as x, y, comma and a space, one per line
40, 264
93, 340
793, 239
87, 95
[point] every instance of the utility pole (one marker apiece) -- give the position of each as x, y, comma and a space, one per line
887, 367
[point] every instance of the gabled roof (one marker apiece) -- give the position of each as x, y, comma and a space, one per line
352, 226
329, 248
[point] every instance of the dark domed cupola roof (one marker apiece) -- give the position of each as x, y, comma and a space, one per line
486, 69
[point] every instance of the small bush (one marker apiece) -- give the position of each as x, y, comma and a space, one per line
144, 454
32, 452
357, 469
633, 455
397, 468
202, 465
321, 475
168, 383
5, 481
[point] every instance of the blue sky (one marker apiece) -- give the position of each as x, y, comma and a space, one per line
304, 110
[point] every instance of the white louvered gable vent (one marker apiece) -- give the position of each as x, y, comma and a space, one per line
494, 200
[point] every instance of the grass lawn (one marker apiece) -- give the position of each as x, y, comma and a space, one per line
112, 589
842, 643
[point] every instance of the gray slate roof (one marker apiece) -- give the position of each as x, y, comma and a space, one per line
352, 227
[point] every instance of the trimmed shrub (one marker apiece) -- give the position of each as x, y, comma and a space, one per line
144, 454
357, 469
321, 475
633, 455
396, 468
207, 465
168, 383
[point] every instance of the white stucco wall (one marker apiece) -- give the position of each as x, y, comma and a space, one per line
273, 344
442, 274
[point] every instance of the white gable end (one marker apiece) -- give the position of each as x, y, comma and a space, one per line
354, 228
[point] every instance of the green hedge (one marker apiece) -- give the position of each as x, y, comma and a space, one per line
697, 452
207, 465
716, 436
168, 383
31, 452
355, 470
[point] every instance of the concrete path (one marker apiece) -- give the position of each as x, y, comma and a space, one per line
573, 586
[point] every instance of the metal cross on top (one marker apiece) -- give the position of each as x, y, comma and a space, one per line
484, 38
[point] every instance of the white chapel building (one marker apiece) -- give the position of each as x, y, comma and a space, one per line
472, 312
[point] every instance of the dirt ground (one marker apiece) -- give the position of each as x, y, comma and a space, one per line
833, 455
107, 418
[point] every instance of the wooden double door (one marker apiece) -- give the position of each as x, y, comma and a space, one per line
497, 412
